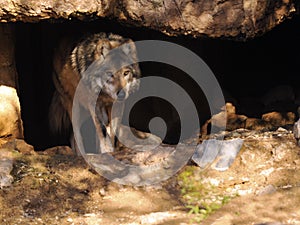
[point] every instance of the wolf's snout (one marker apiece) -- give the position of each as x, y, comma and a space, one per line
121, 95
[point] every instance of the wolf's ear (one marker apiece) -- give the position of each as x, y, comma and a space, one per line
128, 47
102, 49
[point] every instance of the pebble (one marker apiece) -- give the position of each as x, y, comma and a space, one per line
271, 223
267, 172
266, 190
102, 192
6, 166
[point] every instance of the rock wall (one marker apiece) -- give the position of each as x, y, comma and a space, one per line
10, 112
237, 19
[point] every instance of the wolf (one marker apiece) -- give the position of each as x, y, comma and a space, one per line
112, 77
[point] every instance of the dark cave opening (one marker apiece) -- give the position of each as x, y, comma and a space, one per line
245, 70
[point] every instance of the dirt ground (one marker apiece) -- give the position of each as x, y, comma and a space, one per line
55, 187
64, 189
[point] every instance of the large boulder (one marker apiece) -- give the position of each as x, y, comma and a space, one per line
10, 113
238, 19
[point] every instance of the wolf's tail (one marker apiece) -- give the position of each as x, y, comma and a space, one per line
59, 121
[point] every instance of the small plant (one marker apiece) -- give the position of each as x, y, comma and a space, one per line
202, 198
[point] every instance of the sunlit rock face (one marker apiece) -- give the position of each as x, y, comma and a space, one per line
229, 19
10, 112
10, 119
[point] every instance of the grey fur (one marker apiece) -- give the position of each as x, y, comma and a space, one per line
89, 59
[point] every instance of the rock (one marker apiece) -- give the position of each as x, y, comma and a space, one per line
5, 180
21, 146
265, 157
223, 151
270, 223
226, 119
152, 157
156, 217
6, 166
279, 118
231, 19
102, 192
136, 139
296, 131
266, 190
10, 117
206, 152
11, 125
257, 124
235, 121
59, 150
24, 147
228, 153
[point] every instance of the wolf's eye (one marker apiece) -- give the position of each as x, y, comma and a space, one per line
126, 72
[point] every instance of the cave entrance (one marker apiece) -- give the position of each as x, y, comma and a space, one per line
246, 71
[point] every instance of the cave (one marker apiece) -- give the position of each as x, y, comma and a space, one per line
244, 69
207, 167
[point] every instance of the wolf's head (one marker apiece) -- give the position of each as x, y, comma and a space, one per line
113, 67
119, 71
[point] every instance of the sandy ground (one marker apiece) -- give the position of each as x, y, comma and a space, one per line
60, 188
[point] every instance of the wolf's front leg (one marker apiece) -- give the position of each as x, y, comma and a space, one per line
115, 115
102, 135
105, 142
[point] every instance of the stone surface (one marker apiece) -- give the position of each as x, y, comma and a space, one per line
265, 176
10, 116
19, 145
6, 166
10, 112
263, 180
235, 19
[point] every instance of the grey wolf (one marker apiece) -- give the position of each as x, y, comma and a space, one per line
83, 59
